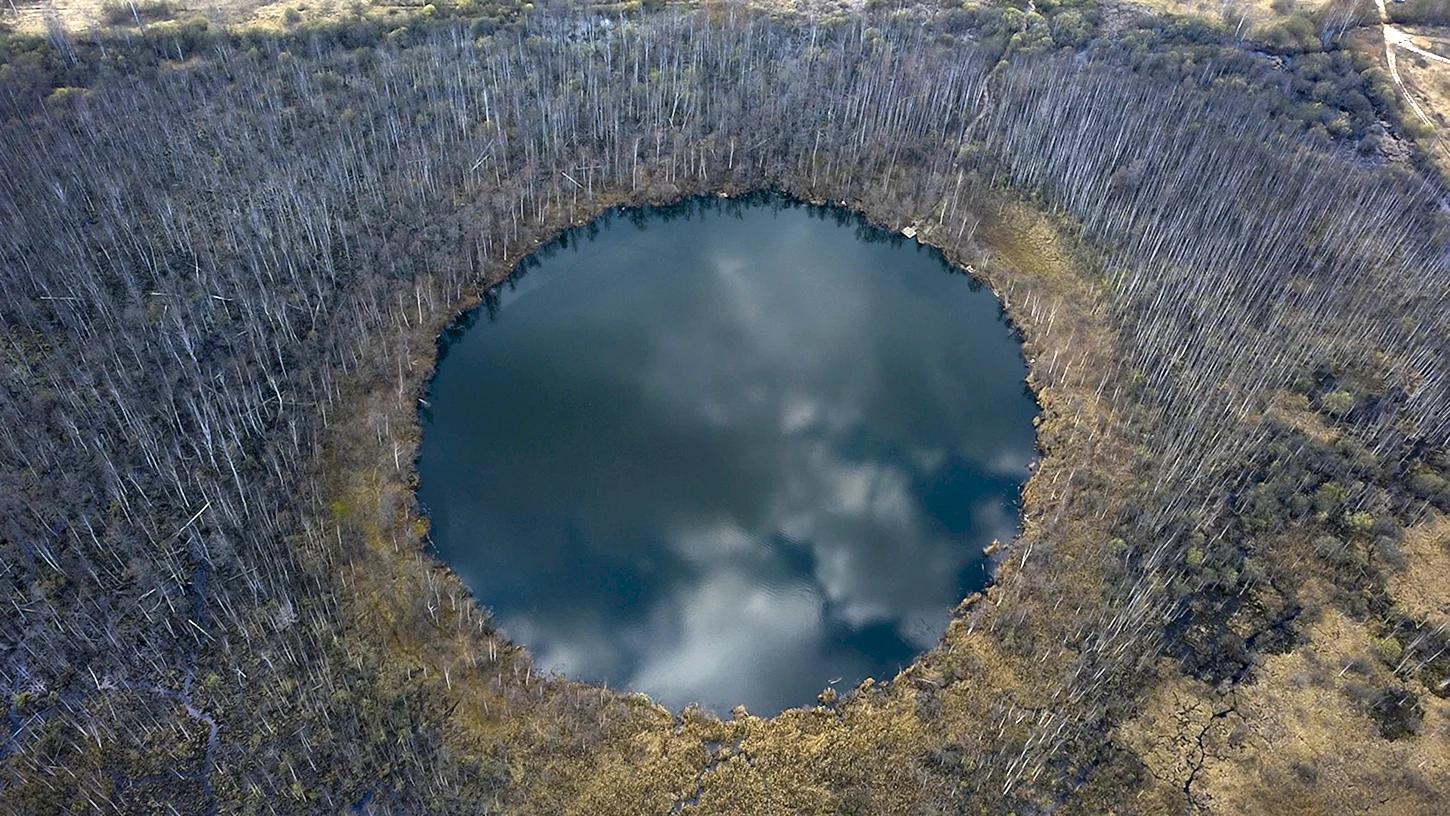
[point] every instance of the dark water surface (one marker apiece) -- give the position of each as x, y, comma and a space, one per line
728, 452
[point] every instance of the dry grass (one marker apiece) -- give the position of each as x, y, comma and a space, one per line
29, 16
1422, 589
1297, 739
1295, 411
1251, 14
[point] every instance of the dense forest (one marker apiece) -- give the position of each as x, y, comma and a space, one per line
226, 259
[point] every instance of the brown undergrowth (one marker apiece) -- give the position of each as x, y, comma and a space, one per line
890, 746
1301, 738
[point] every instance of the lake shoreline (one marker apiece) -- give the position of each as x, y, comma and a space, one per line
1031, 270
807, 411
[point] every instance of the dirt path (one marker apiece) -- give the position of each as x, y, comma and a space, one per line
1397, 38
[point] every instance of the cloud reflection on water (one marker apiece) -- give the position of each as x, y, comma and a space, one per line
727, 460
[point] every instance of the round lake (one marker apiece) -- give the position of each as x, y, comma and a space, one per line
728, 452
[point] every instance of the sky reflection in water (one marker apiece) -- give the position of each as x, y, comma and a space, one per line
729, 455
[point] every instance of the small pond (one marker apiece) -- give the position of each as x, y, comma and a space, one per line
727, 452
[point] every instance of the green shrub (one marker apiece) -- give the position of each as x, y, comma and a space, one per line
1359, 523
1389, 650
1334, 551
1420, 12
1337, 403
119, 13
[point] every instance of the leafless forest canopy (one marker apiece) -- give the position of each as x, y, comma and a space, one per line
196, 260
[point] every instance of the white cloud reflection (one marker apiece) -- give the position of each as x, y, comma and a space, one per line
736, 636
834, 408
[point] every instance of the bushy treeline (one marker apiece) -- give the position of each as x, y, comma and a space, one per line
1419, 12
1331, 91
195, 260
